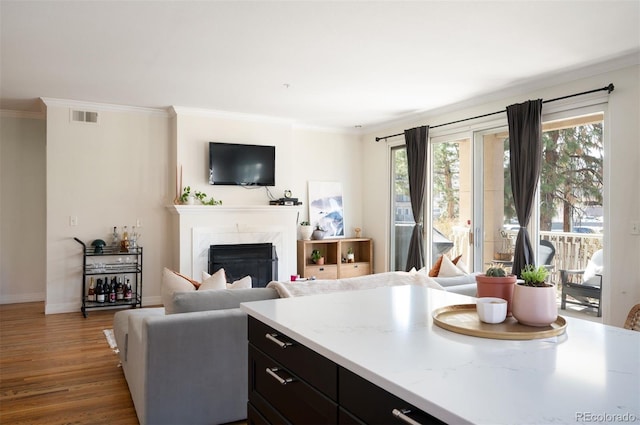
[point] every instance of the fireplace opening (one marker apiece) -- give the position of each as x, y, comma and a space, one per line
258, 260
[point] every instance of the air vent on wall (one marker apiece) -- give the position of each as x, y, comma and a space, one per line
84, 116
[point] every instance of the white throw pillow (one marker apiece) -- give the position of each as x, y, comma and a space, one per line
170, 283
218, 280
448, 269
244, 283
462, 266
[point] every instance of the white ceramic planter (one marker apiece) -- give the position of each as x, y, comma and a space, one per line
535, 306
305, 232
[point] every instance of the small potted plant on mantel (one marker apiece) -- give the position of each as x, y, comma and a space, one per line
495, 282
534, 299
317, 257
305, 230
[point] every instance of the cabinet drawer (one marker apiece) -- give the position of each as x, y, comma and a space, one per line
313, 368
354, 269
373, 405
296, 400
328, 271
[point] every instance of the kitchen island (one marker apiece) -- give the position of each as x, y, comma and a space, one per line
387, 337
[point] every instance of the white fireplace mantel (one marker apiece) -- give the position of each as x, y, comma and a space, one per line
199, 226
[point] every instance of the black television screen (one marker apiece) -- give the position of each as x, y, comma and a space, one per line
244, 165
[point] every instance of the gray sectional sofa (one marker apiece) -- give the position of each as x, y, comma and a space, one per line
190, 367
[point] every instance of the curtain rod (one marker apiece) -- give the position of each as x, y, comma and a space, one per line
608, 88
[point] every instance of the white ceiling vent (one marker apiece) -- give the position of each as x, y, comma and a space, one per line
84, 116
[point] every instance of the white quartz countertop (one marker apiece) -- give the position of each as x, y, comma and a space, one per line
590, 374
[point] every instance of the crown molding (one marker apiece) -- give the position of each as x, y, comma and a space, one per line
6, 113
240, 116
102, 107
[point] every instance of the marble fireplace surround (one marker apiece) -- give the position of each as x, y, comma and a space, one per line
199, 226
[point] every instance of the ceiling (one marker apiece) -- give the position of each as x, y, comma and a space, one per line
335, 64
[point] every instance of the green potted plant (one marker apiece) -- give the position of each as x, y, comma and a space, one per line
305, 230
495, 282
317, 257
351, 257
534, 299
187, 197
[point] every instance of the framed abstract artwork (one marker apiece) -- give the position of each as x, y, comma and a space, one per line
326, 208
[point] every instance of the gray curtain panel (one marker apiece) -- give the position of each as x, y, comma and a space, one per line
525, 149
417, 154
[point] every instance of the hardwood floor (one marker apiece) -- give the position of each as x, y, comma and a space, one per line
59, 369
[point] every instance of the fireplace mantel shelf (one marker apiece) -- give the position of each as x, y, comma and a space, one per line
207, 209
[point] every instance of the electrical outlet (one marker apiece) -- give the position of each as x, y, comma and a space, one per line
73, 220
138, 223
635, 227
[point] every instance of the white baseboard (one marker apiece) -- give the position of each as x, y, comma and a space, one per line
61, 308
22, 298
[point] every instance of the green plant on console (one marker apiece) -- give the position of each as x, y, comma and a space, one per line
316, 255
534, 276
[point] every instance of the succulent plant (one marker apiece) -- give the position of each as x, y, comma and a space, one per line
496, 271
534, 276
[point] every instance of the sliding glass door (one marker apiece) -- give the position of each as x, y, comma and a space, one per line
470, 209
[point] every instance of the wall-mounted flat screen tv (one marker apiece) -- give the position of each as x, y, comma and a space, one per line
234, 164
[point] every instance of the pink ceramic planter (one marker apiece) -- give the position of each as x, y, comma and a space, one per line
535, 306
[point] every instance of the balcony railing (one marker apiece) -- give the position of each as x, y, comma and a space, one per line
573, 250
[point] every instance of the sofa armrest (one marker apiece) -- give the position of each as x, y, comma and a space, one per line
447, 282
192, 367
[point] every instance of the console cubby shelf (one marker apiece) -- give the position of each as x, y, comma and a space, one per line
335, 254
111, 262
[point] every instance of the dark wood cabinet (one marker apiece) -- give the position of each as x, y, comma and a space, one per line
292, 384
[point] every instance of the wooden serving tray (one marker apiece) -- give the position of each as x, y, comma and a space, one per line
463, 319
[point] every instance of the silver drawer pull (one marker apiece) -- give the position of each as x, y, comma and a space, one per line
402, 415
272, 371
272, 338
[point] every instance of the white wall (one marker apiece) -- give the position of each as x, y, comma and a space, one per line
123, 170
302, 155
22, 208
110, 174
621, 287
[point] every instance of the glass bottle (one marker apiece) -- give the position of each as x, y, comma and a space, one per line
127, 291
119, 290
91, 296
112, 290
100, 291
124, 244
115, 238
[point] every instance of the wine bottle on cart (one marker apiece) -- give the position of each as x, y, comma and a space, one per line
91, 295
128, 290
112, 290
100, 291
119, 290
